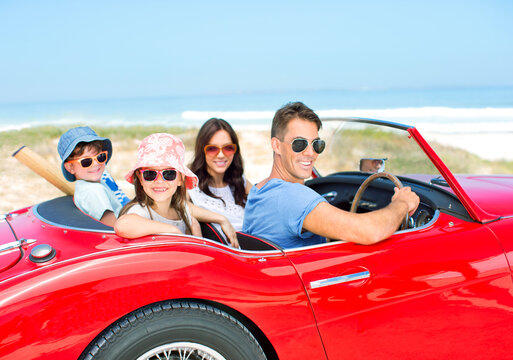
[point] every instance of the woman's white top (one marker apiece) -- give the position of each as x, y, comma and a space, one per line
233, 212
146, 210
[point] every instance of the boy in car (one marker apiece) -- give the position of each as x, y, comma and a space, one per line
84, 155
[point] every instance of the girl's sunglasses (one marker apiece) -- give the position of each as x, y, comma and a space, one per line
213, 150
151, 175
87, 161
300, 145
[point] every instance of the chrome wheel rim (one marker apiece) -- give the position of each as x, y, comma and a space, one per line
181, 351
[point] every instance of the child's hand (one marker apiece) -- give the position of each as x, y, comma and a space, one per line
230, 232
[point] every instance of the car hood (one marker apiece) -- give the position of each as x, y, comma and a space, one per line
493, 193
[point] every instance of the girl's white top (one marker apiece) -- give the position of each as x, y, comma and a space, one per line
233, 212
145, 213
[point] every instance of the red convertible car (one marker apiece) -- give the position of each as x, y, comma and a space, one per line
439, 288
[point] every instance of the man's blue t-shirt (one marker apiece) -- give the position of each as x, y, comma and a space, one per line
276, 212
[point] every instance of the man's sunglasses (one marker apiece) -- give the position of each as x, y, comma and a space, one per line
151, 175
213, 150
300, 145
87, 161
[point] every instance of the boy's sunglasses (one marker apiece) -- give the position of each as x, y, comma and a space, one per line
87, 161
151, 175
213, 150
300, 145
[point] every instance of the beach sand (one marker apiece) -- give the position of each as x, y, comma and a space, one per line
490, 146
22, 187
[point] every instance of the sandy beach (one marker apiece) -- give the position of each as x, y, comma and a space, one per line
491, 146
22, 187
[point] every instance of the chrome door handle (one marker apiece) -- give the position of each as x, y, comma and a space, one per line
340, 279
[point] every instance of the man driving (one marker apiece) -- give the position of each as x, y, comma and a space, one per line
282, 209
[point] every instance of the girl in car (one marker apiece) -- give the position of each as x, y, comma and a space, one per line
160, 179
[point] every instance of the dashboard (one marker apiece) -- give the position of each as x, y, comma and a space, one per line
339, 190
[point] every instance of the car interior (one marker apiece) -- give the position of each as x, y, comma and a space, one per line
62, 212
339, 189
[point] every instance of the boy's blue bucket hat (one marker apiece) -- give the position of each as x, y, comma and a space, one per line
71, 138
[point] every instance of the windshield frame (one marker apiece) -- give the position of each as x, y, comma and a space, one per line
476, 212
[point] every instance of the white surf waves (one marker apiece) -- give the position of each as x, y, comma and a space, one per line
487, 132
428, 113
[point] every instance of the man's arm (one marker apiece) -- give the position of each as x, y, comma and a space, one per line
368, 228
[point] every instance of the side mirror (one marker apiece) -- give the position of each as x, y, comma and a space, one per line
372, 165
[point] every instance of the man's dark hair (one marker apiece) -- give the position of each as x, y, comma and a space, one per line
289, 112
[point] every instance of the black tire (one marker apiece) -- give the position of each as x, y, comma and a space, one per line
170, 326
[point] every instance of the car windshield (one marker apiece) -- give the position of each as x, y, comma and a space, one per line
367, 147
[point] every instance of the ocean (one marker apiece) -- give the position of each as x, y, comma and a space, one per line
473, 110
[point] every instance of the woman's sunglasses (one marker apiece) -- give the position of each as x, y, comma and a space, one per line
151, 175
300, 145
213, 150
87, 161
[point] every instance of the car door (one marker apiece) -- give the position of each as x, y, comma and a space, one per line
433, 293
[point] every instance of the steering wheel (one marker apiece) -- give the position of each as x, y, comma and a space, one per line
365, 184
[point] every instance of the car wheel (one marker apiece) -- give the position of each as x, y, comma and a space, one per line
175, 330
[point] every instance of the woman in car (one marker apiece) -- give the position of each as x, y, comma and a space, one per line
218, 164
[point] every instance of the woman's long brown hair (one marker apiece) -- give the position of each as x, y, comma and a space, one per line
233, 175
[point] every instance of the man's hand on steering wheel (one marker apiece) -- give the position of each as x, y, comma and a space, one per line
400, 194
409, 197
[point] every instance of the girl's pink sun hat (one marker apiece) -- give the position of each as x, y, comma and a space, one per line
161, 149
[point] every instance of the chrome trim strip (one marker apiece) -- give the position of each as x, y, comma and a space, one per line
340, 279
16, 244
430, 223
10, 245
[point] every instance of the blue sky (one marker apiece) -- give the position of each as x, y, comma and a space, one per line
68, 50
